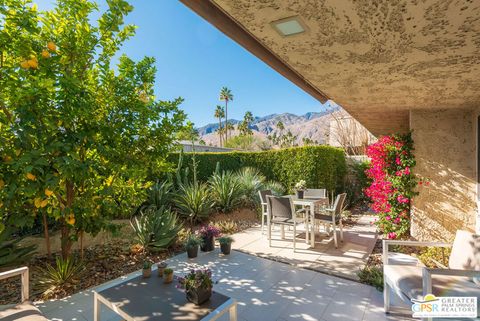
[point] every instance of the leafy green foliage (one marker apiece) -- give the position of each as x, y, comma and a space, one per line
78, 137
192, 241
155, 228
373, 276
226, 226
11, 253
319, 166
159, 195
225, 240
429, 255
251, 181
57, 280
193, 201
226, 191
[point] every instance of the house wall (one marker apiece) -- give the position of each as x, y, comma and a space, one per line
445, 150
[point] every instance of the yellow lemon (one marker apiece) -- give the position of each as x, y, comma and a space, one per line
31, 177
71, 219
48, 192
38, 202
2, 183
33, 63
45, 54
17, 152
24, 64
51, 46
44, 203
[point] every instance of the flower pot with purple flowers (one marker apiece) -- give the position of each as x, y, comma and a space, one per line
208, 233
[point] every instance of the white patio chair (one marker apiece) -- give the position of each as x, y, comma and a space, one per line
333, 217
414, 282
315, 193
24, 311
263, 203
281, 211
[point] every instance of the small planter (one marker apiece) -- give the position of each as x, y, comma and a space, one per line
208, 244
192, 252
300, 194
199, 295
161, 267
167, 276
147, 272
226, 248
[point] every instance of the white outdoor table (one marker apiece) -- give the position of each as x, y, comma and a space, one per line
310, 203
150, 299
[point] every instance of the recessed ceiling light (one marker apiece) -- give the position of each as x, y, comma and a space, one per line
289, 26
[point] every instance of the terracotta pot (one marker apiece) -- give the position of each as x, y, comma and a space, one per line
300, 194
161, 267
147, 272
192, 252
198, 296
167, 278
208, 244
226, 248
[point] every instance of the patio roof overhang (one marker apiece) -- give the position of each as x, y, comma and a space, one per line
377, 59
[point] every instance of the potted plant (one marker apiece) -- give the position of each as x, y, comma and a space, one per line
300, 187
225, 244
208, 233
198, 285
147, 269
161, 268
167, 275
191, 245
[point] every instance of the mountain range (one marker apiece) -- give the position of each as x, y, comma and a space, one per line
312, 125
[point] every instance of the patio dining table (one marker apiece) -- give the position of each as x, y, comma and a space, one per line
310, 203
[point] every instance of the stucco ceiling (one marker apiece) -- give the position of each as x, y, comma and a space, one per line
378, 59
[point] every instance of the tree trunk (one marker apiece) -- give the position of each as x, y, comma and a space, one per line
66, 240
47, 236
226, 121
81, 244
220, 130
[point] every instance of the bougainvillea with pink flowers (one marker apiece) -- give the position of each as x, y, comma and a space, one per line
393, 183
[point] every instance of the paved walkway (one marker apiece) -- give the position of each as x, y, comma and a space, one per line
351, 255
265, 290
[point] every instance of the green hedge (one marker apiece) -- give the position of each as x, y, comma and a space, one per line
319, 166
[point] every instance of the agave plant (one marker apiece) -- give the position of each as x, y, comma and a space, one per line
276, 188
193, 201
159, 195
60, 279
251, 181
226, 191
11, 253
155, 228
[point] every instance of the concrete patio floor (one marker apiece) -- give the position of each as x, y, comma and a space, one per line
265, 290
346, 261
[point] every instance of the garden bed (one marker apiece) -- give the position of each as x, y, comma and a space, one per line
113, 259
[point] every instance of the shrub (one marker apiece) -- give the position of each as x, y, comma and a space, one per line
373, 276
193, 201
431, 254
192, 241
226, 227
319, 166
58, 280
225, 240
276, 188
251, 181
11, 253
393, 183
226, 191
155, 229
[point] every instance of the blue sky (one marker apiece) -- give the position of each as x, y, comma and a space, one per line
194, 60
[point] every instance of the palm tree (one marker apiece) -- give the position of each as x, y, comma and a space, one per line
226, 95
220, 113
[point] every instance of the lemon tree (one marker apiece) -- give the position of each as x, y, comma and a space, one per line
81, 132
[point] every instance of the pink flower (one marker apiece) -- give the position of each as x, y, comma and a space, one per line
398, 173
392, 235
397, 220
398, 161
402, 199
407, 170
388, 218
